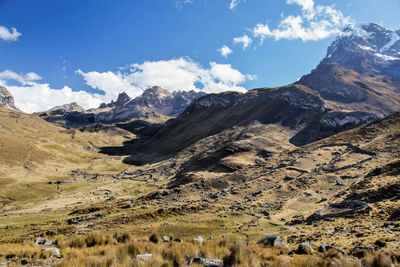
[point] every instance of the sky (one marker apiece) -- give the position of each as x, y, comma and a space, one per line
58, 52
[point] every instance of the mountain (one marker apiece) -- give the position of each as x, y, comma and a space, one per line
159, 100
361, 70
332, 98
6, 99
367, 48
315, 162
154, 100
122, 99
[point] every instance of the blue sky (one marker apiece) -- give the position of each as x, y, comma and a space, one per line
94, 49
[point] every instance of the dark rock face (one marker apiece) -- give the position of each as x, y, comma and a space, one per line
6, 99
122, 99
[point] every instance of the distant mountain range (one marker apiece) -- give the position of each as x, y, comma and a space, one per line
154, 100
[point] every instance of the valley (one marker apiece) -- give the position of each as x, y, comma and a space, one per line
194, 177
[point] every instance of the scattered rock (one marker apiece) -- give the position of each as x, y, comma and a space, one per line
324, 248
306, 248
55, 251
273, 241
48, 209
356, 250
79, 219
40, 241
144, 257
207, 262
288, 178
178, 240
342, 209
165, 238
257, 193
154, 238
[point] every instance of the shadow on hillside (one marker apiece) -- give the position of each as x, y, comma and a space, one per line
130, 149
143, 131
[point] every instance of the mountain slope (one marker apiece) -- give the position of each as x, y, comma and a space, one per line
361, 71
344, 98
6, 99
32, 149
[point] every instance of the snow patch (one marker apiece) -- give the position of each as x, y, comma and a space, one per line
367, 48
385, 57
394, 39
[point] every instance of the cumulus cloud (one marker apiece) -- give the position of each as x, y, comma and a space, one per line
110, 83
176, 74
8, 35
315, 22
244, 40
32, 96
225, 51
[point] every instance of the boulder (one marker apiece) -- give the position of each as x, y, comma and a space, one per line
144, 257
55, 251
207, 262
355, 250
165, 238
40, 241
273, 241
306, 248
324, 248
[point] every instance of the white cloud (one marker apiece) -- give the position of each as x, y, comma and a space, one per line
244, 40
110, 83
315, 22
226, 74
24, 79
175, 74
7, 35
235, 3
31, 96
225, 51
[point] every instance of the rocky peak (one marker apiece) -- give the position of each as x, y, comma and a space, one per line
156, 91
6, 99
69, 107
156, 95
122, 99
367, 48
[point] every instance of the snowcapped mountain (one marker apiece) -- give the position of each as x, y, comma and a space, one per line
367, 48
361, 66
